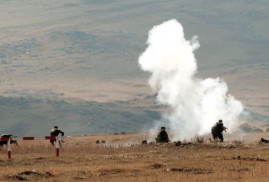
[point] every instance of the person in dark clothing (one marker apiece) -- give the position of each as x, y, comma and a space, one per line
2, 143
263, 141
162, 136
217, 130
55, 132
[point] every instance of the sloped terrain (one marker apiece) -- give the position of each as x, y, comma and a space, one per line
35, 117
87, 51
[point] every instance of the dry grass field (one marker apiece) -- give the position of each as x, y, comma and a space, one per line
123, 158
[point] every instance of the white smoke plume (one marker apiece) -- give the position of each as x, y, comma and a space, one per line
196, 104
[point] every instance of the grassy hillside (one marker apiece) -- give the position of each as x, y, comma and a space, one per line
28, 116
87, 50
36, 117
54, 43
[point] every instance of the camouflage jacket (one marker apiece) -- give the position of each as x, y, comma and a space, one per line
162, 137
218, 128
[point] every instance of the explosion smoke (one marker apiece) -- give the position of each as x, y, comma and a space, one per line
196, 104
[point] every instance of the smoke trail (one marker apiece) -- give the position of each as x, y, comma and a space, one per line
196, 104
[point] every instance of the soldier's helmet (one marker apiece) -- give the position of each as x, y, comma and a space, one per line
56, 127
220, 121
162, 128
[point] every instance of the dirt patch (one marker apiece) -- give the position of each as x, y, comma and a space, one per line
110, 172
156, 166
249, 158
39, 158
78, 178
239, 170
26, 175
144, 142
191, 170
177, 143
14, 177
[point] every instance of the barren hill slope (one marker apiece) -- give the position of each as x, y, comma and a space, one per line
87, 51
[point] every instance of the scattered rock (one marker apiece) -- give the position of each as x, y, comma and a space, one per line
249, 158
239, 170
39, 158
33, 172
15, 177
177, 143
97, 142
77, 178
48, 174
144, 142
23, 176
103, 141
110, 172
191, 170
157, 166
101, 174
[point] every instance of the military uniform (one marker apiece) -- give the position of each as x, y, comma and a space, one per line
55, 132
162, 136
217, 130
8, 136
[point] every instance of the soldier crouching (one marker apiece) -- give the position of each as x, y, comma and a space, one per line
217, 130
162, 137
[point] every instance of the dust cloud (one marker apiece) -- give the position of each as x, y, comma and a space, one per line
195, 104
